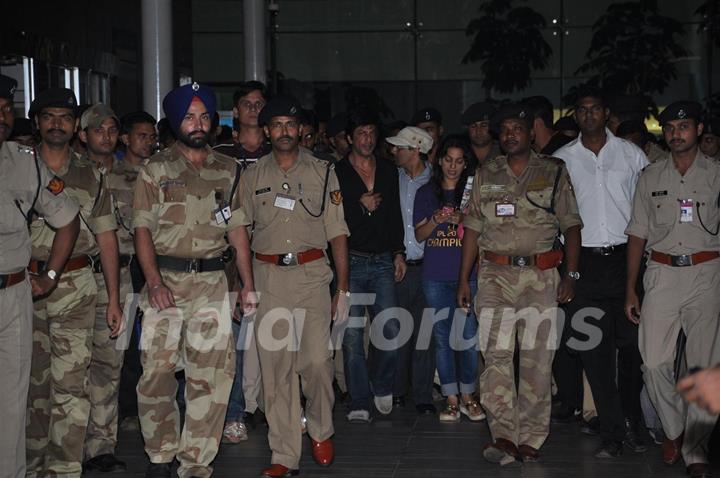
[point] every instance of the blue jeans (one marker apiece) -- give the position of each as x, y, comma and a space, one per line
236, 403
370, 275
457, 362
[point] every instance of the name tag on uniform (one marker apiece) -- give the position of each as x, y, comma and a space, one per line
686, 210
505, 209
284, 201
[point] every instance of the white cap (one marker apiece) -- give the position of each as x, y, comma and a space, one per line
412, 137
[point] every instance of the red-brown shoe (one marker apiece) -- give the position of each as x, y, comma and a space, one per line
278, 471
671, 450
501, 451
528, 453
323, 452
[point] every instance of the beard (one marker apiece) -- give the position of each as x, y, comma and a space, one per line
192, 140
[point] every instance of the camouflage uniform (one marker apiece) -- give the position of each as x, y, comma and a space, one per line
107, 354
175, 201
58, 402
19, 181
504, 291
300, 289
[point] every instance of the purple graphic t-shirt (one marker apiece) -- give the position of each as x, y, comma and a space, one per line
443, 247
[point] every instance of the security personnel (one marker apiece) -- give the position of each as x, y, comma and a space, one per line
7, 115
182, 212
518, 204
675, 218
430, 120
99, 129
294, 201
25, 184
63, 323
476, 119
710, 139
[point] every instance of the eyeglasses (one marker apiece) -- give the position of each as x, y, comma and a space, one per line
248, 105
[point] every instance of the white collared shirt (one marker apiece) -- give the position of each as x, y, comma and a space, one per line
604, 187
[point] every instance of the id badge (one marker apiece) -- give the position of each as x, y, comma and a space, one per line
686, 210
222, 214
505, 209
284, 201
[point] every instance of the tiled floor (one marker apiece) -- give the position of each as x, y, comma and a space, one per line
403, 445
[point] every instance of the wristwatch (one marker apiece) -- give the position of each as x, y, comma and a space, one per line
51, 274
574, 275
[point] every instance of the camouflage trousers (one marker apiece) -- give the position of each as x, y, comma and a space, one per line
195, 336
517, 306
58, 404
104, 374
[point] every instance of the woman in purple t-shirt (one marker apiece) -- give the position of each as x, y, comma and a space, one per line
438, 219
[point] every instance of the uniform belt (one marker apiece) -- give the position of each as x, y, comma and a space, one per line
291, 258
414, 262
683, 260
181, 264
606, 250
8, 280
125, 260
73, 264
545, 260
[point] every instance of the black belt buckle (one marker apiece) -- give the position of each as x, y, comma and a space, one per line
4, 280
193, 265
289, 259
605, 250
681, 261
520, 261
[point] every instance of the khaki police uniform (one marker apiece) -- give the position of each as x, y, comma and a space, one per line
108, 353
679, 298
293, 299
178, 204
63, 323
19, 180
522, 417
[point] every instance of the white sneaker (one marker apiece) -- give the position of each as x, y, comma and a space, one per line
359, 416
234, 432
384, 404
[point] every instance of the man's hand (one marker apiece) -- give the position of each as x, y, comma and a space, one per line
41, 285
115, 320
703, 388
249, 300
632, 307
464, 296
371, 201
566, 290
400, 267
160, 297
340, 308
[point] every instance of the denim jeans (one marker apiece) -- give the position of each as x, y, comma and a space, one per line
236, 402
370, 275
457, 362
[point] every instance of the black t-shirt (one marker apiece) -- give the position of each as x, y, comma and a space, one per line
557, 141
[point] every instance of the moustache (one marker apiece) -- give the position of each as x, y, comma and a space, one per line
288, 138
56, 130
197, 131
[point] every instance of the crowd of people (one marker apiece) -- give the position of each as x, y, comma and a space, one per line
185, 279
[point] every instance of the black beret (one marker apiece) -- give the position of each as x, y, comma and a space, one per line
712, 126
7, 87
478, 112
511, 111
566, 123
281, 105
426, 114
681, 110
53, 98
336, 125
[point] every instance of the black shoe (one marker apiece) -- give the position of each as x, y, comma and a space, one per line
398, 402
565, 414
591, 427
106, 463
426, 409
158, 470
632, 440
254, 420
609, 449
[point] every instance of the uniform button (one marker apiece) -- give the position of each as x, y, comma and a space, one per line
199, 197
197, 222
679, 243
682, 181
288, 241
287, 219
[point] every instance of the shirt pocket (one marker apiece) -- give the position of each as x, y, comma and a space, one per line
173, 209
11, 219
707, 210
664, 211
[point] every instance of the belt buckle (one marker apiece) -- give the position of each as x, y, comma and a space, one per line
681, 261
606, 250
4, 280
289, 259
520, 261
192, 265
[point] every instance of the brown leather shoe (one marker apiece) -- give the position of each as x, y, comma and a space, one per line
501, 451
528, 453
699, 470
323, 452
671, 450
278, 471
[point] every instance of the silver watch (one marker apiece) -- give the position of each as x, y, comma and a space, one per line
51, 274
574, 275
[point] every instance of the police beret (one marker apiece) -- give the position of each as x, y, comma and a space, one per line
681, 110
177, 102
516, 111
53, 98
478, 112
7, 87
426, 114
95, 115
336, 125
712, 126
281, 105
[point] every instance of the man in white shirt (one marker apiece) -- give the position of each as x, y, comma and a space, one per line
604, 170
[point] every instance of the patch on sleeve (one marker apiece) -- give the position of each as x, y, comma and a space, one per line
336, 197
56, 185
